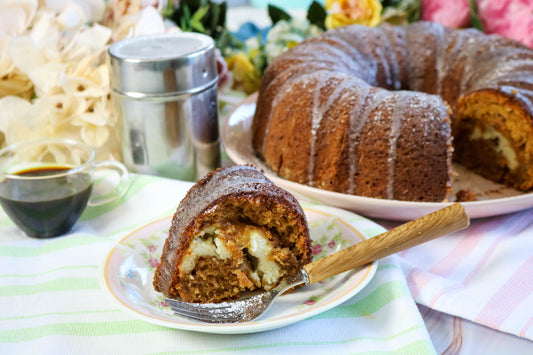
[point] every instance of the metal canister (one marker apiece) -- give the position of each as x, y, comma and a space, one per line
164, 92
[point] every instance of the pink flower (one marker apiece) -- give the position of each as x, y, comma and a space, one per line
309, 302
151, 248
317, 249
451, 13
331, 244
509, 18
153, 262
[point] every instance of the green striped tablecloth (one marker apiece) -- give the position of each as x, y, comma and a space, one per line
51, 300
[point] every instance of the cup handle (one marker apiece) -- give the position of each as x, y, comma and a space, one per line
120, 188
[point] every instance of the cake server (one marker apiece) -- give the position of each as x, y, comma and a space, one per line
444, 221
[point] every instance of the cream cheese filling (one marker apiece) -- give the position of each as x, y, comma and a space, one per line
502, 146
267, 270
201, 246
208, 244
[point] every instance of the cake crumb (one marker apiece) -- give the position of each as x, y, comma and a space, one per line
465, 196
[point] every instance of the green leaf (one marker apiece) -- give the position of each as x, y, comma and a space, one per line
200, 13
219, 14
196, 20
169, 10
204, 16
401, 12
276, 14
225, 40
185, 19
316, 15
215, 20
197, 26
474, 15
391, 3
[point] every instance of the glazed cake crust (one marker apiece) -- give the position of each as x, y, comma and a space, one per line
233, 199
371, 111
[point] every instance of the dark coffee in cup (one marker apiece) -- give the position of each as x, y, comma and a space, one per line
47, 206
46, 184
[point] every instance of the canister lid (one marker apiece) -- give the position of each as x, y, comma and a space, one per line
163, 64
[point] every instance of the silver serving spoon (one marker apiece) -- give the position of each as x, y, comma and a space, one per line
444, 221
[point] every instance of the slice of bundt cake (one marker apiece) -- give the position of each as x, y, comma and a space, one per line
234, 231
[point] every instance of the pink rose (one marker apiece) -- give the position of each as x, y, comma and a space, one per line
509, 18
151, 248
451, 13
316, 249
153, 262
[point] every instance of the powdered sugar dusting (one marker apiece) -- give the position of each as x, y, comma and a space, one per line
440, 59
315, 124
506, 70
517, 93
395, 61
358, 119
318, 114
470, 59
402, 99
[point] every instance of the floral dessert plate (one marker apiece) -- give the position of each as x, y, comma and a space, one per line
128, 271
493, 199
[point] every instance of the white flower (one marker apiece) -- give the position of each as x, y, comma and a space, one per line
54, 77
16, 15
58, 60
286, 34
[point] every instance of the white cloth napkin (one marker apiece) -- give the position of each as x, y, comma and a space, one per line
483, 274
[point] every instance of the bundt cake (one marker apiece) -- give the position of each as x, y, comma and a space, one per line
234, 231
372, 111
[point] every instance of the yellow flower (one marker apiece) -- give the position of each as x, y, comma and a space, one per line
246, 77
349, 12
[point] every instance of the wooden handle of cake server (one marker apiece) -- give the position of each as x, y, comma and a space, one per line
444, 221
